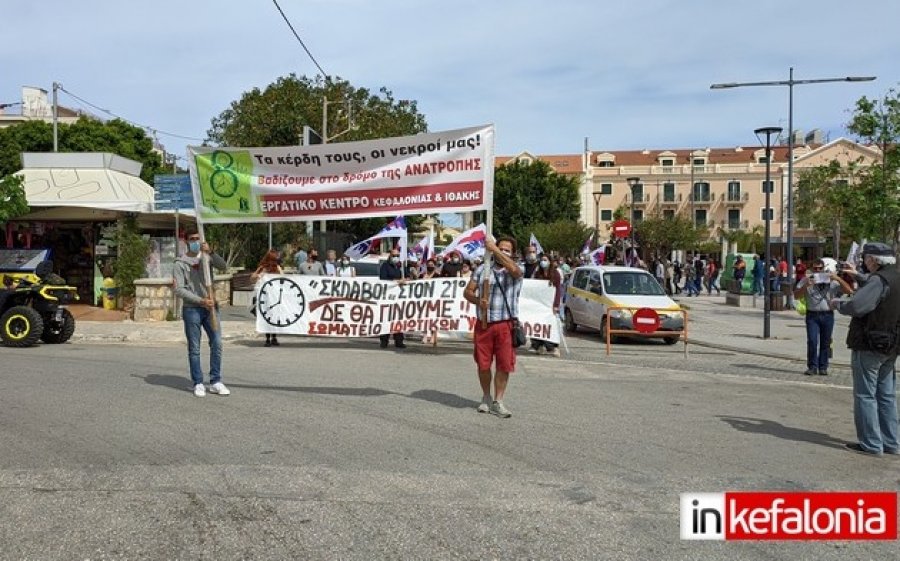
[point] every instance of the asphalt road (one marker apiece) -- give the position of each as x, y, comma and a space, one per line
335, 450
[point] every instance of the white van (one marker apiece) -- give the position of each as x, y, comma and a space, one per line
593, 289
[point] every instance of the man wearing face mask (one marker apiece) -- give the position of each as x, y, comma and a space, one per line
452, 265
531, 262
197, 312
312, 265
549, 272
494, 340
392, 270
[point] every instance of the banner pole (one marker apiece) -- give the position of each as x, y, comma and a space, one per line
207, 277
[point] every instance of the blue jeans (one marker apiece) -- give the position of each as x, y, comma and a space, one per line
874, 400
194, 319
819, 327
757, 286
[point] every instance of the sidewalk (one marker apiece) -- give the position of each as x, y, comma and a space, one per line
712, 323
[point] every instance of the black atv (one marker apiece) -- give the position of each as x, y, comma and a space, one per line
33, 307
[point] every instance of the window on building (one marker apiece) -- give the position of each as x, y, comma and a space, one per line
700, 217
761, 159
763, 213
765, 186
606, 188
638, 216
638, 192
606, 164
668, 214
734, 218
606, 214
701, 191
668, 162
668, 192
734, 191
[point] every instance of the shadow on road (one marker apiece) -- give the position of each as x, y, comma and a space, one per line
772, 428
181, 384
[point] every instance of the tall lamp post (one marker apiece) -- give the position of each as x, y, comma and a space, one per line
597, 195
790, 83
767, 305
632, 183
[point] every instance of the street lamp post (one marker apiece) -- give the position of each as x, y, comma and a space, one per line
767, 305
597, 195
632, 183
790, 83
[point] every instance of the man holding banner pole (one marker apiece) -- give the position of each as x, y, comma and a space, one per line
498, 306
193, 284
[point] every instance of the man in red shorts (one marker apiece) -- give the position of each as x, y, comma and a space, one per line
494, 340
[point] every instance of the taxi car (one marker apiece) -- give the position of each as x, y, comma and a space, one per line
593, 289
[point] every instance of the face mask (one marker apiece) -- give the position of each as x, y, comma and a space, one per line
545, 264
429, 268
345, 263
395, 260
314, 257
194, 247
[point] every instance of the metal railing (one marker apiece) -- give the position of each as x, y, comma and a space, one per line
683, 334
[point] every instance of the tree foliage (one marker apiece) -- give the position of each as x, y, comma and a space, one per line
564, 237
532, 193
12, 198
276, 115
84, 135
131, 259
660, 235
878, 122
831, 200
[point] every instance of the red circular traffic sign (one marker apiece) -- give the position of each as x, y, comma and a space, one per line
621, 228
645, 320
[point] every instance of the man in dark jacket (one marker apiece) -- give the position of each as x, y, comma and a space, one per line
392, 270
874, 341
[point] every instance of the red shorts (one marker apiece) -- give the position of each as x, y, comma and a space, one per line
495, 340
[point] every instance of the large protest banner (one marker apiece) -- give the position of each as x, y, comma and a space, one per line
450, 171
363, 307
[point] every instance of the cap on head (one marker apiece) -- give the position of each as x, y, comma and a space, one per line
877, 248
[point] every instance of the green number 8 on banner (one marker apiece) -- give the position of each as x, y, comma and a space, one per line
223, 181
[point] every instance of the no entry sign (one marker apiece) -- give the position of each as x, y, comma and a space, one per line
621, 228
645, 320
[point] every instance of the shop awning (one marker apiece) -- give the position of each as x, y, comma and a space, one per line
84, 181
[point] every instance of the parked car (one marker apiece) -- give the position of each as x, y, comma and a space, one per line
368, 266
594, 289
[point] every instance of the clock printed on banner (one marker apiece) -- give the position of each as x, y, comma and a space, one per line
280, 302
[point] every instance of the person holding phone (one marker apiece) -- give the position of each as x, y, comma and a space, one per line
819, 287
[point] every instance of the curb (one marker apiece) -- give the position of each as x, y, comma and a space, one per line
754, 352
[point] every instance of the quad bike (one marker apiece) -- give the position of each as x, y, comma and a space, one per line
33, 307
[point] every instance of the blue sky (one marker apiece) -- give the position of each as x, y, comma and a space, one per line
627, 75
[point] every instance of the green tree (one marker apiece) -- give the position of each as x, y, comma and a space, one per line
12, 198
661, 235
276, 115
878, 122
564, 237
532, 193
830, 198
131, 259
84, 135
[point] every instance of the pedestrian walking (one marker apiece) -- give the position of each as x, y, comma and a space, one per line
198, 312
874, 343
497, 311
548, 271
392, 269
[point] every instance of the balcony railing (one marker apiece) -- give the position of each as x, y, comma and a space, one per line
735, 224
638, 200
702, 198
674, 199
736, 198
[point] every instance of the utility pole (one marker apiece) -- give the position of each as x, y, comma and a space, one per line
56, 86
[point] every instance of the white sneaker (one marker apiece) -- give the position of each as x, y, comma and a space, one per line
541, 351
554, 352
199, 390
485, 405
219, 388
500, 410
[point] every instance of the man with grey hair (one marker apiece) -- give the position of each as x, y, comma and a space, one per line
874, 341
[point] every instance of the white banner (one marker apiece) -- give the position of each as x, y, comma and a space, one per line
450, 171
362, 307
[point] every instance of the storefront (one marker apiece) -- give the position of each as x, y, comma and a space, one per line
77, 201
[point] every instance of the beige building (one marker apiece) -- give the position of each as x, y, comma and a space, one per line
35, 106
722, 188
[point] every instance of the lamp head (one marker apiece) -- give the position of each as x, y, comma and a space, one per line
632, 181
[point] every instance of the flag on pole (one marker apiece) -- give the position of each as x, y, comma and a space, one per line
598, 256
587, 244
396, 228
470, 244
423, 250
536, 244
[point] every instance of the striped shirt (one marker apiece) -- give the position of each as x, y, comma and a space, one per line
497, 310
